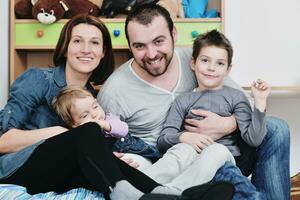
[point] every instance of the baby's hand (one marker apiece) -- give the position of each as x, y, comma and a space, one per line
104, 124
260, 90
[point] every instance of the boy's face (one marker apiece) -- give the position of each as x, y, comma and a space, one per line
86, 110
152, 45
211, 67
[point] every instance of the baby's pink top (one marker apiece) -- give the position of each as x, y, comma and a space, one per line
118, 128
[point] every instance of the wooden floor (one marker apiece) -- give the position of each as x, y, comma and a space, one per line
295, 188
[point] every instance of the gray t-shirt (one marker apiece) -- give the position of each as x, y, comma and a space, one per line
224, 102
143, 106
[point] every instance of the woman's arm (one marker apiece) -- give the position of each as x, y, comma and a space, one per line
23, 101
16, 139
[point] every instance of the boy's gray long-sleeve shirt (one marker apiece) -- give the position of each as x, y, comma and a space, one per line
224, 102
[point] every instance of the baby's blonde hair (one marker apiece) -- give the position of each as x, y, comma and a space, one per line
63, 102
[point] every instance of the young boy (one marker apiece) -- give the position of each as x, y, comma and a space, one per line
211, 62
77, 106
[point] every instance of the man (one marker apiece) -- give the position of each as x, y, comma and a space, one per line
142, 90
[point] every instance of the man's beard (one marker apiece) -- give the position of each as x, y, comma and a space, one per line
157, 72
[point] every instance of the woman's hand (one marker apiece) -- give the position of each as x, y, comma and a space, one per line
198, 141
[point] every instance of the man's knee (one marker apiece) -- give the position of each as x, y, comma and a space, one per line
278, 131
227, 172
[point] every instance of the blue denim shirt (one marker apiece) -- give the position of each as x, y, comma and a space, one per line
30, 107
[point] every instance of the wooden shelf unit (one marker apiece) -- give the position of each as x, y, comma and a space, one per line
27, 49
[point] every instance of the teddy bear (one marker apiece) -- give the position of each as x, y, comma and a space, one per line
49, 11
110, 8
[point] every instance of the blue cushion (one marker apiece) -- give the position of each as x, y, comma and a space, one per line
8, 191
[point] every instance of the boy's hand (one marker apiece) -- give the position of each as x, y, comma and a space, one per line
198, 141
260, 90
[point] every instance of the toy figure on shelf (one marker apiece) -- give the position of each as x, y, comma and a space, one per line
198, 9
50, 11
173, 6
110, 8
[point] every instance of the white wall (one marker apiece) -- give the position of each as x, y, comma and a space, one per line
4, 19
266, 39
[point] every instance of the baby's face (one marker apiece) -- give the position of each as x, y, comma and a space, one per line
211, 67
86, 110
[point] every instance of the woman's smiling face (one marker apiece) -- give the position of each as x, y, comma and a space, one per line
85, 49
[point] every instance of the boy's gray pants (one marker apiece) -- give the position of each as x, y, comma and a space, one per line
182, 167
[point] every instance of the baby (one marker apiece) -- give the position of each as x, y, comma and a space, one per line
77, 106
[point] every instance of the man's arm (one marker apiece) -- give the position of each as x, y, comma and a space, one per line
212, 124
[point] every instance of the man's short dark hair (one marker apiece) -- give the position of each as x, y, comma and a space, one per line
145, 13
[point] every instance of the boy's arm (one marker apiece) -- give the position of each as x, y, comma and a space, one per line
173, 132
172, 128
252, 125
254, 132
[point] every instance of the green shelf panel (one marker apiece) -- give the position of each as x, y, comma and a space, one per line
27, 34
185, 30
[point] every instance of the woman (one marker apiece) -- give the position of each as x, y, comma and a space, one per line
37, 152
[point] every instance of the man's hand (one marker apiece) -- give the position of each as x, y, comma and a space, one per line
212, 125
198, 141
129, 161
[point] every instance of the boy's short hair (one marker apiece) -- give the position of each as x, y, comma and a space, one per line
212, 38
145, 13
63, 102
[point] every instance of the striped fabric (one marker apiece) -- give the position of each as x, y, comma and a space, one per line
15, 192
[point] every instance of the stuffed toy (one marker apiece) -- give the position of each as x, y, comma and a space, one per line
49, 11
174, 7
198, 9
110, 8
